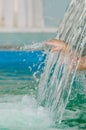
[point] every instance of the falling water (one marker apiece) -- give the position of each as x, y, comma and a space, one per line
56, 81
22, 111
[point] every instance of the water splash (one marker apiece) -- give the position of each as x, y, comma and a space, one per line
21, 112
56, 81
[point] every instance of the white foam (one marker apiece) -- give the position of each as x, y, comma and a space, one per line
23, 114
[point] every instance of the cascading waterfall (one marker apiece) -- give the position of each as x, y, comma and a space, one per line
57, 100
58, 76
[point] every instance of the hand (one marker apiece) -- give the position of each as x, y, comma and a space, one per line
57, 45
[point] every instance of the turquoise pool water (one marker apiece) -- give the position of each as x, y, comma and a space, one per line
19, 78
18, 92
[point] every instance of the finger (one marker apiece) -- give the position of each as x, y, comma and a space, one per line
56, 49
51, 43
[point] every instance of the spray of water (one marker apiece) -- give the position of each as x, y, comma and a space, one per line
56, 81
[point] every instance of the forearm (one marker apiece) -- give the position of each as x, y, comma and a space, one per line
82, 64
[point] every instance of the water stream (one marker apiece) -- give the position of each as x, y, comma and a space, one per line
57, 99
56, 82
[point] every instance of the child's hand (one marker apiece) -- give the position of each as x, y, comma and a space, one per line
57, 45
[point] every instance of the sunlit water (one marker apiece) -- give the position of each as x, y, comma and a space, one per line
20, 90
